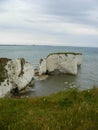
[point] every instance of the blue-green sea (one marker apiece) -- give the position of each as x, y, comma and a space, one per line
87, 75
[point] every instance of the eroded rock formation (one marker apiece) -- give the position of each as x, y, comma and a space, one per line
15, 75
60, 63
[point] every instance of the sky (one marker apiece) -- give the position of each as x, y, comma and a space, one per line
49, 22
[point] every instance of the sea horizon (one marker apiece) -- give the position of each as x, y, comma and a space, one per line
47, 45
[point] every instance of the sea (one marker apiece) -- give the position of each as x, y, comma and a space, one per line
86, 78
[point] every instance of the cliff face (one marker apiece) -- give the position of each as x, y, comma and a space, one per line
61, 63
15, 74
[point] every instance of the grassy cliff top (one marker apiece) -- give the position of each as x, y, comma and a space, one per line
65, 53
68, 110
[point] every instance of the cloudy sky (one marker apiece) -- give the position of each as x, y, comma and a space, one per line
49, 22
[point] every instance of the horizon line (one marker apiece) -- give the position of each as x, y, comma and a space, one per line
45, 45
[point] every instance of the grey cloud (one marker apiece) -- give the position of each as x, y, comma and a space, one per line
2, 6
1, 1
2, 10
44, 20
21, 28
51, 11
74, 10
80, 39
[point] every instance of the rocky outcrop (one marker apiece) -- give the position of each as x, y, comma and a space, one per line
60, 63
15, 75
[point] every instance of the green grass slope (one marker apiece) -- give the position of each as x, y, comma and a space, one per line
70, 110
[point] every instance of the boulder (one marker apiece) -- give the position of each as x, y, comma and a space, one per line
15, 75
60, 63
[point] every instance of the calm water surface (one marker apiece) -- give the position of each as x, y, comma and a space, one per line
86, 78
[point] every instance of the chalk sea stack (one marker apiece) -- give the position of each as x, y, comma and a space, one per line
66, 62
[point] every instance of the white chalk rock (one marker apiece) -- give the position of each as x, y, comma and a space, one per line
79, 59
61, 62
16, 73
42, 67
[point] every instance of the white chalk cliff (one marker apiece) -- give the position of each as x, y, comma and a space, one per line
61, 63
15, 74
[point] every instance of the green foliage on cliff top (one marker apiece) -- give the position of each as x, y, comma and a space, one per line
65, 53
70, 110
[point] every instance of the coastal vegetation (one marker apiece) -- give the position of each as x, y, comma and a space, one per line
65, 53
67, 110
3, 71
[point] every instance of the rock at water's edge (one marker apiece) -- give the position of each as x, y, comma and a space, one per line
15, 75
60, 63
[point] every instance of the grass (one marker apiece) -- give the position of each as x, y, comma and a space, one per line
70, 110
65, 53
